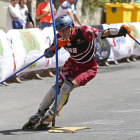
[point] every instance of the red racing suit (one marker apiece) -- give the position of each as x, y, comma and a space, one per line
81, 66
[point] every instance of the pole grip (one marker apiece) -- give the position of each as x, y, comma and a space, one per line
131, 36
128, 32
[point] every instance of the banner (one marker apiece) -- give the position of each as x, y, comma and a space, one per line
121, 47
135, 26
30, 44
6, 56
18, 48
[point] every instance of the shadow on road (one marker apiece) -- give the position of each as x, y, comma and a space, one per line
13, 131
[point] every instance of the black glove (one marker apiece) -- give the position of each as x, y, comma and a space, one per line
50, 54
122, 31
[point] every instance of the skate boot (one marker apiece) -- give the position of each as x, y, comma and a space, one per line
32, 121
44, 122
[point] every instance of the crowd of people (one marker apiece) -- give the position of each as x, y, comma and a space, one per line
18, 14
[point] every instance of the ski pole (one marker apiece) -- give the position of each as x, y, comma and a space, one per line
27, 65
134, 38
57, 69
128, 32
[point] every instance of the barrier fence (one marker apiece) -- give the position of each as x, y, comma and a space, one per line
18, 48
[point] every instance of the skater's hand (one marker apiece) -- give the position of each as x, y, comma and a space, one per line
50, 54
60, 43
128, 29
124, 30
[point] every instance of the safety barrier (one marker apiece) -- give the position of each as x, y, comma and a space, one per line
18, 48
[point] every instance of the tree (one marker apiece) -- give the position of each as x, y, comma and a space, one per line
92, 5
121, 1
39, 1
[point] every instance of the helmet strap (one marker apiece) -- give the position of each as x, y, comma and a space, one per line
71, 33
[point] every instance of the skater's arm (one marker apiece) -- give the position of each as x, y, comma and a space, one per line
113, 32
89, 32
60, 43
50, 54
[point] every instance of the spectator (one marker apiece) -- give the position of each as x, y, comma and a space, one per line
12, 13
44, 14
23, 11
67, 7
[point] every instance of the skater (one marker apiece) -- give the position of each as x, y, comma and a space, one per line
77, 71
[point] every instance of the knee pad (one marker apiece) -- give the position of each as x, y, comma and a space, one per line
65, 90
51, 93
67, 87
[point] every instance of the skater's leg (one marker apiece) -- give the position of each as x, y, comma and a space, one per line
65, 90
44, 106
65, 85
47, 101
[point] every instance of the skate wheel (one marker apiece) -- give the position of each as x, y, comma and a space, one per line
28, 125
37, 126
40, 126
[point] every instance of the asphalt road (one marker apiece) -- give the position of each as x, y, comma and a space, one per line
110, 104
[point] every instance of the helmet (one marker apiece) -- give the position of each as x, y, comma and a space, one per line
63, 21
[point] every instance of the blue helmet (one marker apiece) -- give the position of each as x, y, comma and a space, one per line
63, 21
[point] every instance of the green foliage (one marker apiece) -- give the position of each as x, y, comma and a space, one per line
92, 5
121, 1
39, 1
